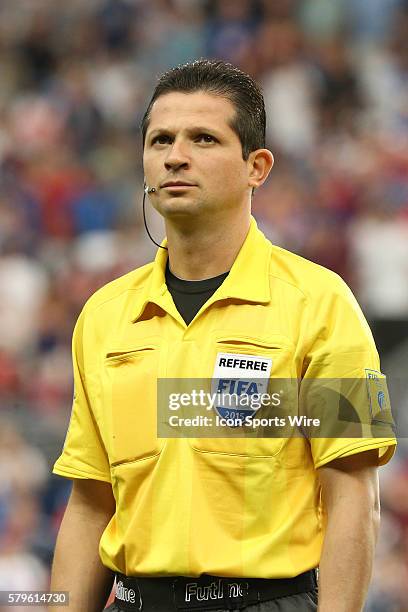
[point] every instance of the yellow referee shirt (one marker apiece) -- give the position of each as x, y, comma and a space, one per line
228, 507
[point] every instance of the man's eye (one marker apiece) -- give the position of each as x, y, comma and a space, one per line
161, 139
206, 138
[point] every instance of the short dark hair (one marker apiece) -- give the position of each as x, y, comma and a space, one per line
223, 79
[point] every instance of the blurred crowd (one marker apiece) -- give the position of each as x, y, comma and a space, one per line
75, 80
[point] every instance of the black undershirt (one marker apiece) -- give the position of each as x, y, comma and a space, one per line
189, 296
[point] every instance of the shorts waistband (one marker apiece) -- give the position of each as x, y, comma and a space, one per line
205, 592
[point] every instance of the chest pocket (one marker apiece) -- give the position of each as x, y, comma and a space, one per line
132, 375
278, 352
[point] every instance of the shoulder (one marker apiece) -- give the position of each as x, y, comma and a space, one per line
312, 280
119, 289
326, 301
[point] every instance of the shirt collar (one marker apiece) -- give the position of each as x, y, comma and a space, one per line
248, 279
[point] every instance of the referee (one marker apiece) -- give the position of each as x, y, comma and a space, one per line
217, 523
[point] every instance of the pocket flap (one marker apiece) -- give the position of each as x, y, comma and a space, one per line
135, 348
128, 353
274, 341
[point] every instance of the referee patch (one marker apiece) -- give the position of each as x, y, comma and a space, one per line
238, 375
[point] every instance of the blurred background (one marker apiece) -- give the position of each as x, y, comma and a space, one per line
75, 81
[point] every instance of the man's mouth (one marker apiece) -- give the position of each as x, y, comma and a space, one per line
177, 185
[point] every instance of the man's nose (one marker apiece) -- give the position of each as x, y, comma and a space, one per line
177, 156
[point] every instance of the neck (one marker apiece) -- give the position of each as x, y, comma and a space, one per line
202, 251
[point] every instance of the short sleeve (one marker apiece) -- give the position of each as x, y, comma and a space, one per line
342, 385
84, 454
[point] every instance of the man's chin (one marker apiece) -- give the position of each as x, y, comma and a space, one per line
180, 207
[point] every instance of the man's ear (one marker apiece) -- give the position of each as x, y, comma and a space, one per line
260, 163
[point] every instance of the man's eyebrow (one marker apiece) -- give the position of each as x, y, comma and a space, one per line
159, 130
198, 129
202, 129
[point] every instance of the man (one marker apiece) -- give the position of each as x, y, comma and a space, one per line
221, 522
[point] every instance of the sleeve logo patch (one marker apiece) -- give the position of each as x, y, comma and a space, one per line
377, 392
